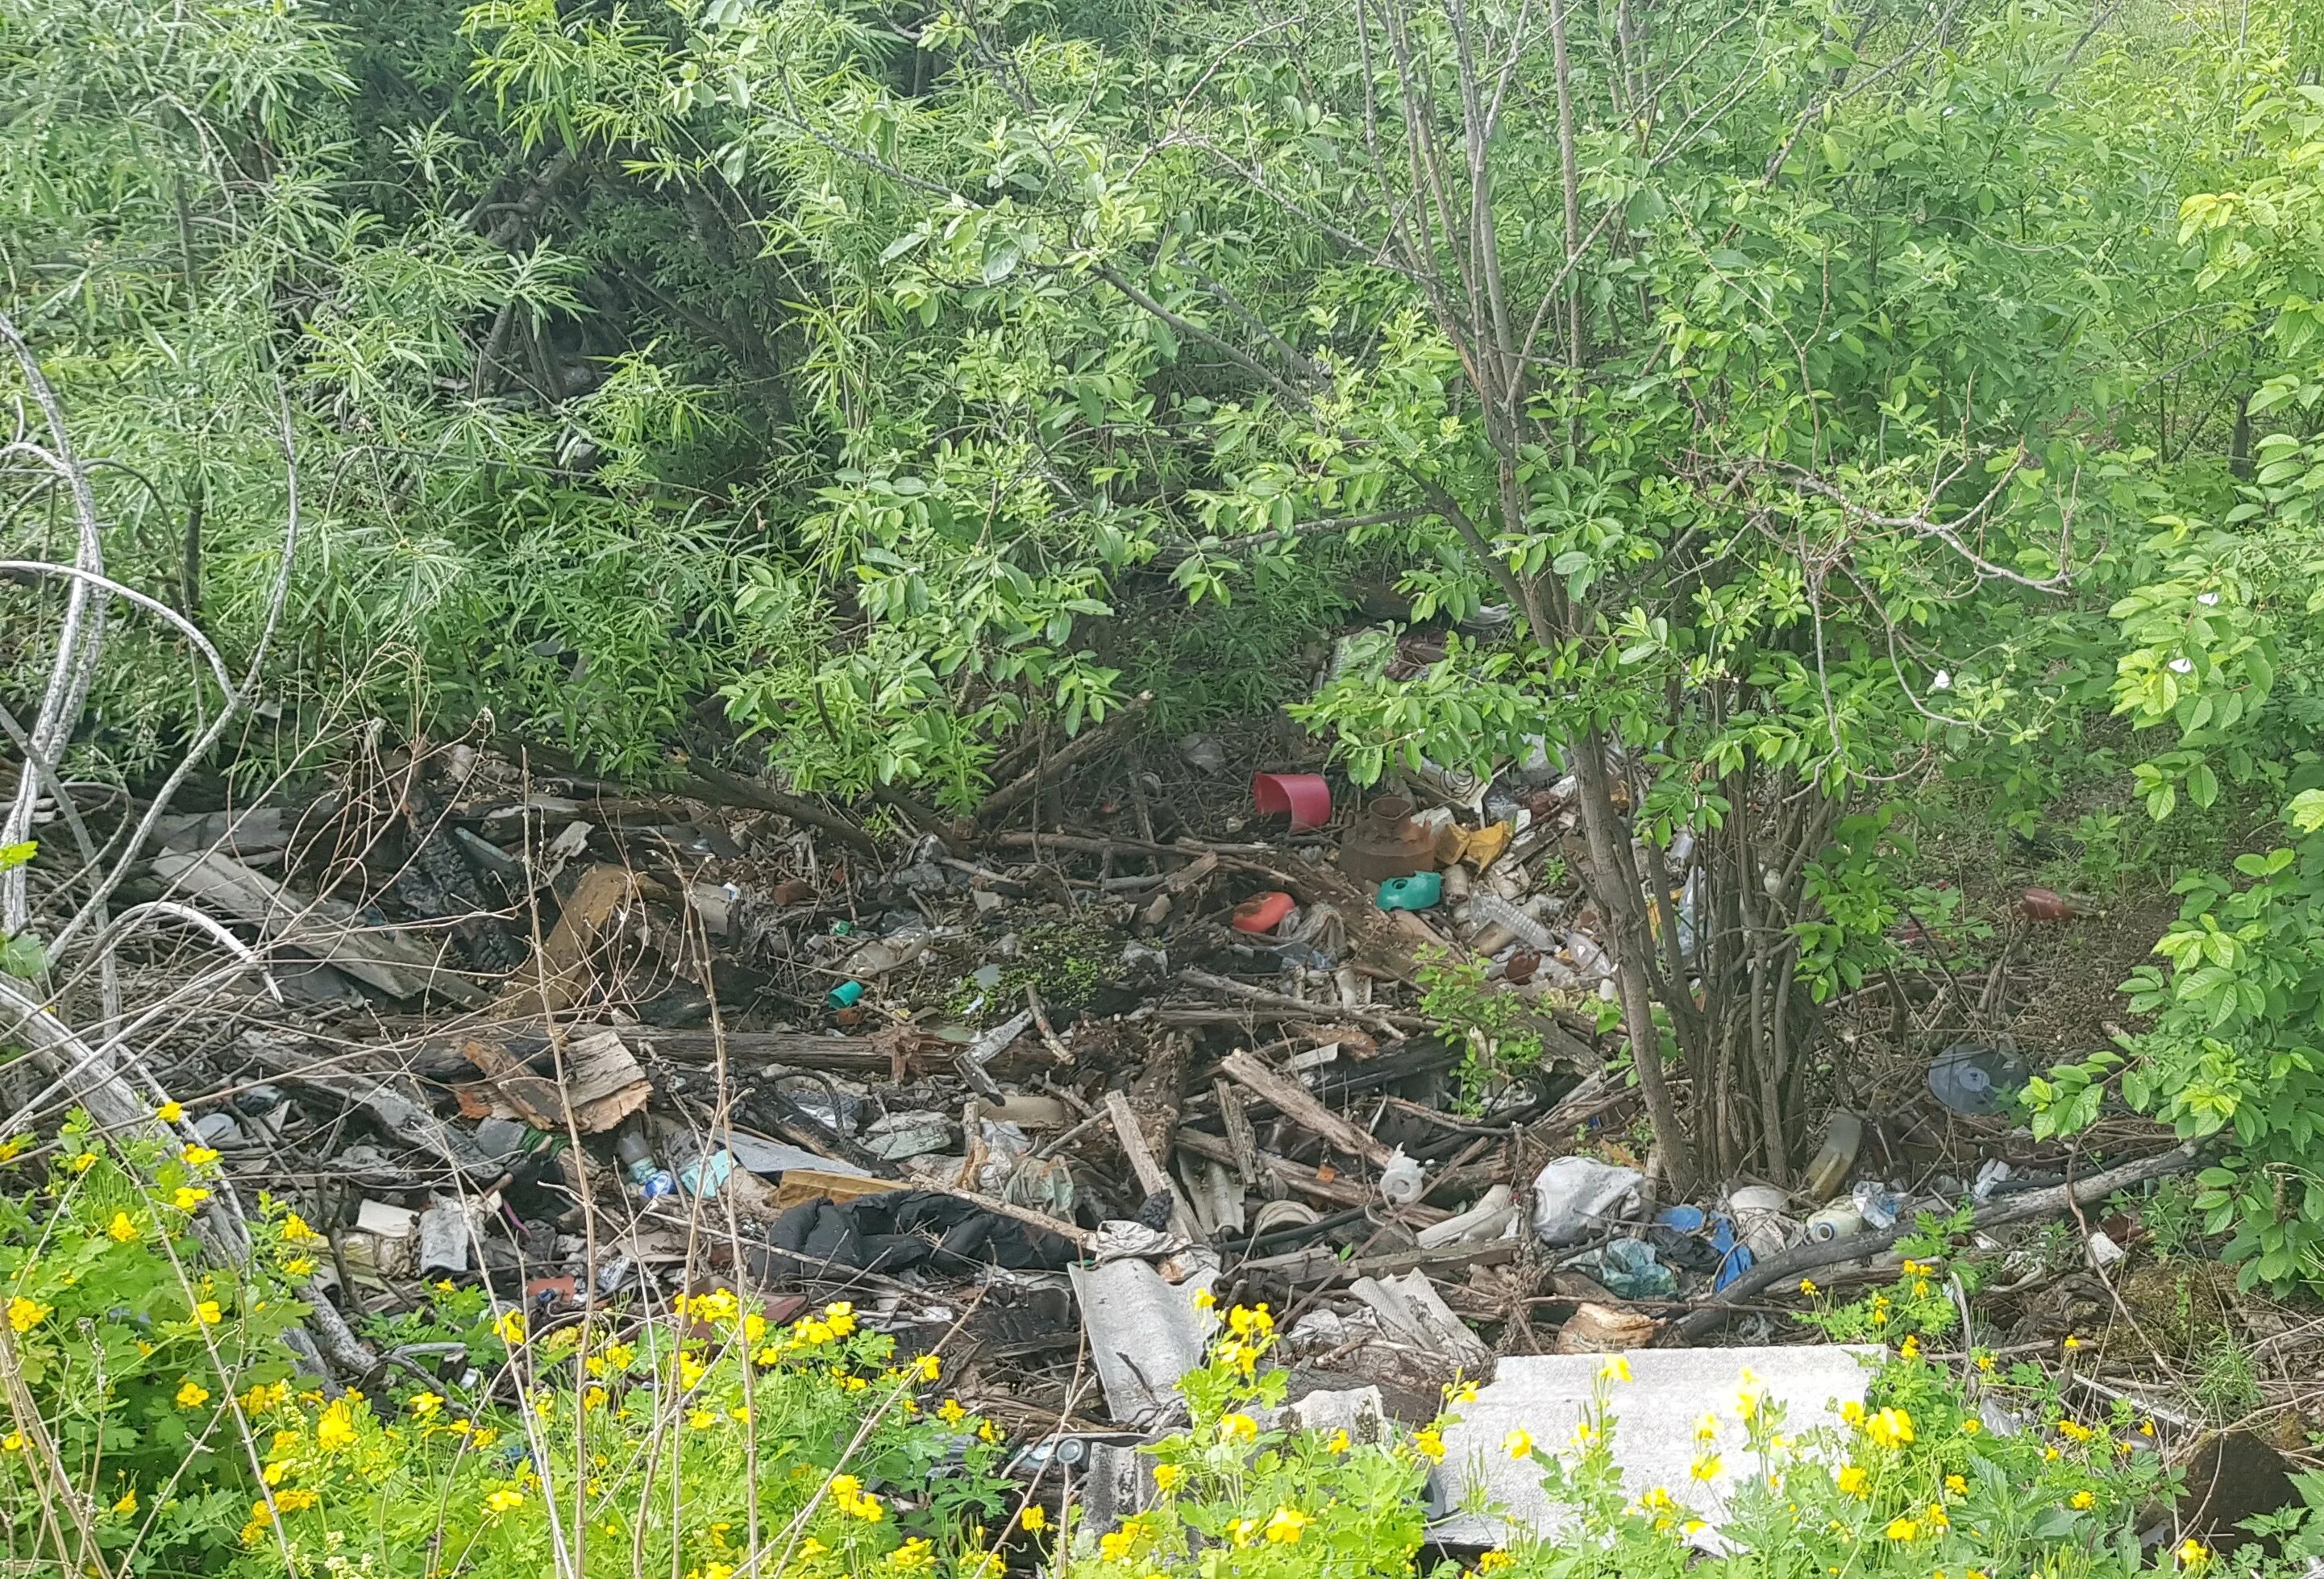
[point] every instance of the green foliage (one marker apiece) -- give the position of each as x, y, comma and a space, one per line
1499, 1031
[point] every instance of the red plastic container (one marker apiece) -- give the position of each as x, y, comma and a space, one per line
1304, 796
1261, 912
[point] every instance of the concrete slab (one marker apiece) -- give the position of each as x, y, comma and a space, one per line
1654, 1415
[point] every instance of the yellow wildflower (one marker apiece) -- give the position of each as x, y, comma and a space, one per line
123, 1228
1518, 1443
187, 1197
1956, 1485
2193, 1553
1706, 1427
913, 1555
1890, 1427
128, 1503
1165, 1475
423, 1405
510, 1328
1034, 1518
24, 1314
1204, 1299
2072, 1343
207, 1312
1117, 1544
334, 1427
1494, 1561
169, 1112
1808, 1288
1338, 1443
2083, 1499
1615, 1369
702, 1419
82, 1161
1237, 1427
927, 1367
192, 1394
1284, 1526
199, 1156
1245, 1320
1429, 1444
1853, 1480
506, 1499
1706, 1468
1902, 1529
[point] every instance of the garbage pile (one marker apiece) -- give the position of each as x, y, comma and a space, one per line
1043, 1098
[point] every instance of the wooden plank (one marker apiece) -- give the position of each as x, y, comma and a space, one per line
558, 977
1292, 1100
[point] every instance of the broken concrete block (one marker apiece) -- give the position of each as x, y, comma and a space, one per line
1654, 1415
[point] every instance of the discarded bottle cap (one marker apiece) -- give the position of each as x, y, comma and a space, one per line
845, 995
1416, 892
1261, 912
1522, 963
1304, 796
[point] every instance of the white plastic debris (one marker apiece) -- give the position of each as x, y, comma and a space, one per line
1574, 1197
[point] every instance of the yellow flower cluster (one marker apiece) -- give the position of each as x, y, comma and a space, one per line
1890, 1427
848, 1495
1120, 1542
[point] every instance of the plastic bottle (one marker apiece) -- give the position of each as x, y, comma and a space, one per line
1840, 1220
635, 1154
1491, 909
1401, 1182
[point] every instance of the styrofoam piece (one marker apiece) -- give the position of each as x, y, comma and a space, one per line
1654, 1415
1144, 1334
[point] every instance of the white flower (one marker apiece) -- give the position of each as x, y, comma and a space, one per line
1944, 682
2183, 666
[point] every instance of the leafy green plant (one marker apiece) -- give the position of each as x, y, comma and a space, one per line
1498, 1031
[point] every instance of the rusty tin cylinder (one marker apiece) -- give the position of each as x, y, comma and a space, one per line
1385, 842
